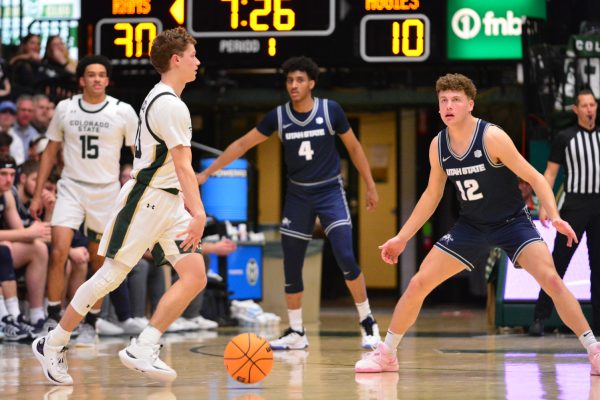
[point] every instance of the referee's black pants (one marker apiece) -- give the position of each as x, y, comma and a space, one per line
583, 213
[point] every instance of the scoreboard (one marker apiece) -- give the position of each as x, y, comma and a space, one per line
263, 33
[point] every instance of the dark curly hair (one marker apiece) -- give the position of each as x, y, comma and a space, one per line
303, 64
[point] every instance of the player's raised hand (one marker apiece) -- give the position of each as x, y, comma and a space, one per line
564, 228
391, 249
372, 199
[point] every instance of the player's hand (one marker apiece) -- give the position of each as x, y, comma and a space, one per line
391, 249
39, 230
193, 233
224, 247
35, 208
543, 216
564, 228
372, 199
79, 255
48, 200
201, 177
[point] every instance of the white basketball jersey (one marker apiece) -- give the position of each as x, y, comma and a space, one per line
92, 136
165, 122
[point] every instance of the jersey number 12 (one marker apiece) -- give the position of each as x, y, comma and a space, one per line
305, 150
469, 191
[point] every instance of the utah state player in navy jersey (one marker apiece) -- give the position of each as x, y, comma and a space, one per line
307, 128
481, 161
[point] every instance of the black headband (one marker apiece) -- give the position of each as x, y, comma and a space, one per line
7, 164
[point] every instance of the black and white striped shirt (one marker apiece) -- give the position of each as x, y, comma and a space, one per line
578, 151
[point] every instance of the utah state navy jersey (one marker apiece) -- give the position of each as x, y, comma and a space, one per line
308, 139
488, 192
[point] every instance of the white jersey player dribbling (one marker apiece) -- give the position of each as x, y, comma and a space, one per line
146, 201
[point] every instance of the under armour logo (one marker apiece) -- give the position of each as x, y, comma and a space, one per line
148, 205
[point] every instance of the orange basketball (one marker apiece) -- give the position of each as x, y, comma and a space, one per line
248, 358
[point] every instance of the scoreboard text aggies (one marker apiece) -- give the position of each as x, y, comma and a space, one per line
262, 33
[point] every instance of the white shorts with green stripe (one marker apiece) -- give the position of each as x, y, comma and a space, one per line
144, 218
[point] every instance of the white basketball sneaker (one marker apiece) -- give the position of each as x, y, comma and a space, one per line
594, 357
53, 360
369, 331
144, 358
290, 340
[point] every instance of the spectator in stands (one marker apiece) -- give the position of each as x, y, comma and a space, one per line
8, 113
25, 65
28, 247
57, 70
22, 128
41, 113
5, 87
5, 142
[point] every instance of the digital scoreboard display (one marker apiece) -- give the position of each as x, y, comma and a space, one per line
263, 33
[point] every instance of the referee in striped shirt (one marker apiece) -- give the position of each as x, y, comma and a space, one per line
577, 150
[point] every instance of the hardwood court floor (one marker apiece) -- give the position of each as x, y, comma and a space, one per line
447, 355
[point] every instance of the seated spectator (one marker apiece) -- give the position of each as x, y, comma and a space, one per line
42, 107
8, 116
27, 245
37, 147
57, 70
5, 142
25, 65
22, 128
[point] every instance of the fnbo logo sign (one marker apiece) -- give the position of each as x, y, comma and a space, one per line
488, 29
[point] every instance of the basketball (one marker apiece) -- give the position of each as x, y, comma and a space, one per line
248, 358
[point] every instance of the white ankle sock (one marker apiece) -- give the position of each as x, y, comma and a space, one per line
3, 310
150, 335
58, 337
295, 317
392, 340
364, 310
35, 314
12, 305
587, 339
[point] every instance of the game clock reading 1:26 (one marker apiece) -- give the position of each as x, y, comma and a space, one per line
251, 18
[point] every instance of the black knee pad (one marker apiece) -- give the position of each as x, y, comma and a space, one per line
294, 250
7, 268
341, 243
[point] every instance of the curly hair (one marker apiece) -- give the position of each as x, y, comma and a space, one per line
303, 64
456, 82
167, 43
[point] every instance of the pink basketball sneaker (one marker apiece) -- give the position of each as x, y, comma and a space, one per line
379, 360
594, 356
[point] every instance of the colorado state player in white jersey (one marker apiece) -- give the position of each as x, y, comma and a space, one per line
91, 128
160, 209
482, 162
307, 128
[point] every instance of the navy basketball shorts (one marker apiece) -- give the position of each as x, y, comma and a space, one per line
304, 203
471, 244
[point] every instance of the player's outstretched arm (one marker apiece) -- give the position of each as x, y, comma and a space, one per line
550, 174
425, 207
182, 158
359, 159
46, 164
502, 149
234, 151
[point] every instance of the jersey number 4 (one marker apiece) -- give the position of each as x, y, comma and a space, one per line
89, 146
305, 150
468, 190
